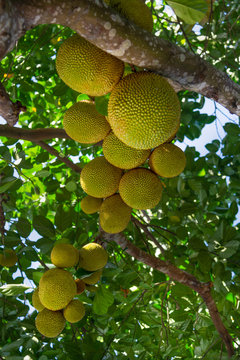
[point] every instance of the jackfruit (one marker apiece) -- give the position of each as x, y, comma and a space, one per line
50, 323
143, 110
84, 124
167, 160
114, 214
8, 258
80, 286
93, 278
99, 178
140, 189
92, 257
134, 10
56, 289
122, 155
36, 301
86, 68
90, 204
74, 311
64, 255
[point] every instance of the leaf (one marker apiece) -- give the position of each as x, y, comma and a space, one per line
71, 186
189, 11
7, 186
23, 227
101, 103
42, 173
43, 226
13, 289
63, 218
103, 299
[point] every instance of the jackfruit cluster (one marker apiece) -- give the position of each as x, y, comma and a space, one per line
54, 298
143, 119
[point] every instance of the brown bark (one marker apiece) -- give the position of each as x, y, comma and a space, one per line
203, 289
106, 29
9, 110
32, 134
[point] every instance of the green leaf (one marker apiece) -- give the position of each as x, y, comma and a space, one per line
103, 299
189, 11
23, 227
43, 226
71, 186
42, 173
63, 218
13, 289
6, 186
101, 103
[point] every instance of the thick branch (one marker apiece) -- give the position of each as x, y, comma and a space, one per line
32, 134
9, 110
203, 289
106, 29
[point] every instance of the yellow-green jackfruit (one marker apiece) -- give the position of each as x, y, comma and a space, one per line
74, 311
8, 258
36, 301
90, 204
92, 257
50, 323
64, 255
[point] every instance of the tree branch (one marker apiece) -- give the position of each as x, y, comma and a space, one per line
32, 134
8, 110
203, 289
106, 29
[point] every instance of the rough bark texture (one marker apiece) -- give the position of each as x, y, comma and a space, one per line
106, 29
9, 110
32, 135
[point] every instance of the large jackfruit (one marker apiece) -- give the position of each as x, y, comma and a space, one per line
114, 214
56, 289
90, 204
143, 110
99, 178
8, 258
36, 301
134, 10
86, 68
50, 323
84, 124
92, 257
74, 311
122, 155
140, 189
167, 160
64, 255
93, 278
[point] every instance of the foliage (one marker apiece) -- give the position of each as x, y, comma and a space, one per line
136, 312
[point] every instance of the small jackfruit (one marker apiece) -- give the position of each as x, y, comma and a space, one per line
80, 286
93, 278
56, 289
92, 257
74, 311
8, 258
167, 160
64, 255
143, 110
50, 323
134, 10
84, 124
36, 301
86, 68
90, 204
122, 155
99, 178
114, 214
140, 189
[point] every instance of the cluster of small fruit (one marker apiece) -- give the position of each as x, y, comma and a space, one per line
54, 297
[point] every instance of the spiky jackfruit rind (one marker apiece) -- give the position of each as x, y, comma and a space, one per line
56, 289
86, 68
64, 255
36, 301
99, 178
93, 278
134, 10
143, 110
50, 323
84, 124
114, 214
74, 311
167, 160
90, 204
92, 257
122, 155
140, 189
8, 258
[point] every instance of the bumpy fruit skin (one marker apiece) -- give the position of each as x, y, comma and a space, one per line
36, 301
84, 124
56, 289
143, 110
86, 68
122, 155
114, 214
167, 160
74, 312
92, 257
8, 258
99, 178
50, 323
90, 204
94, 278
64, 255
136, 11
140, 189
80, 286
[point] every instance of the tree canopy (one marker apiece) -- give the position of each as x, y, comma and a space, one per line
171, 287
